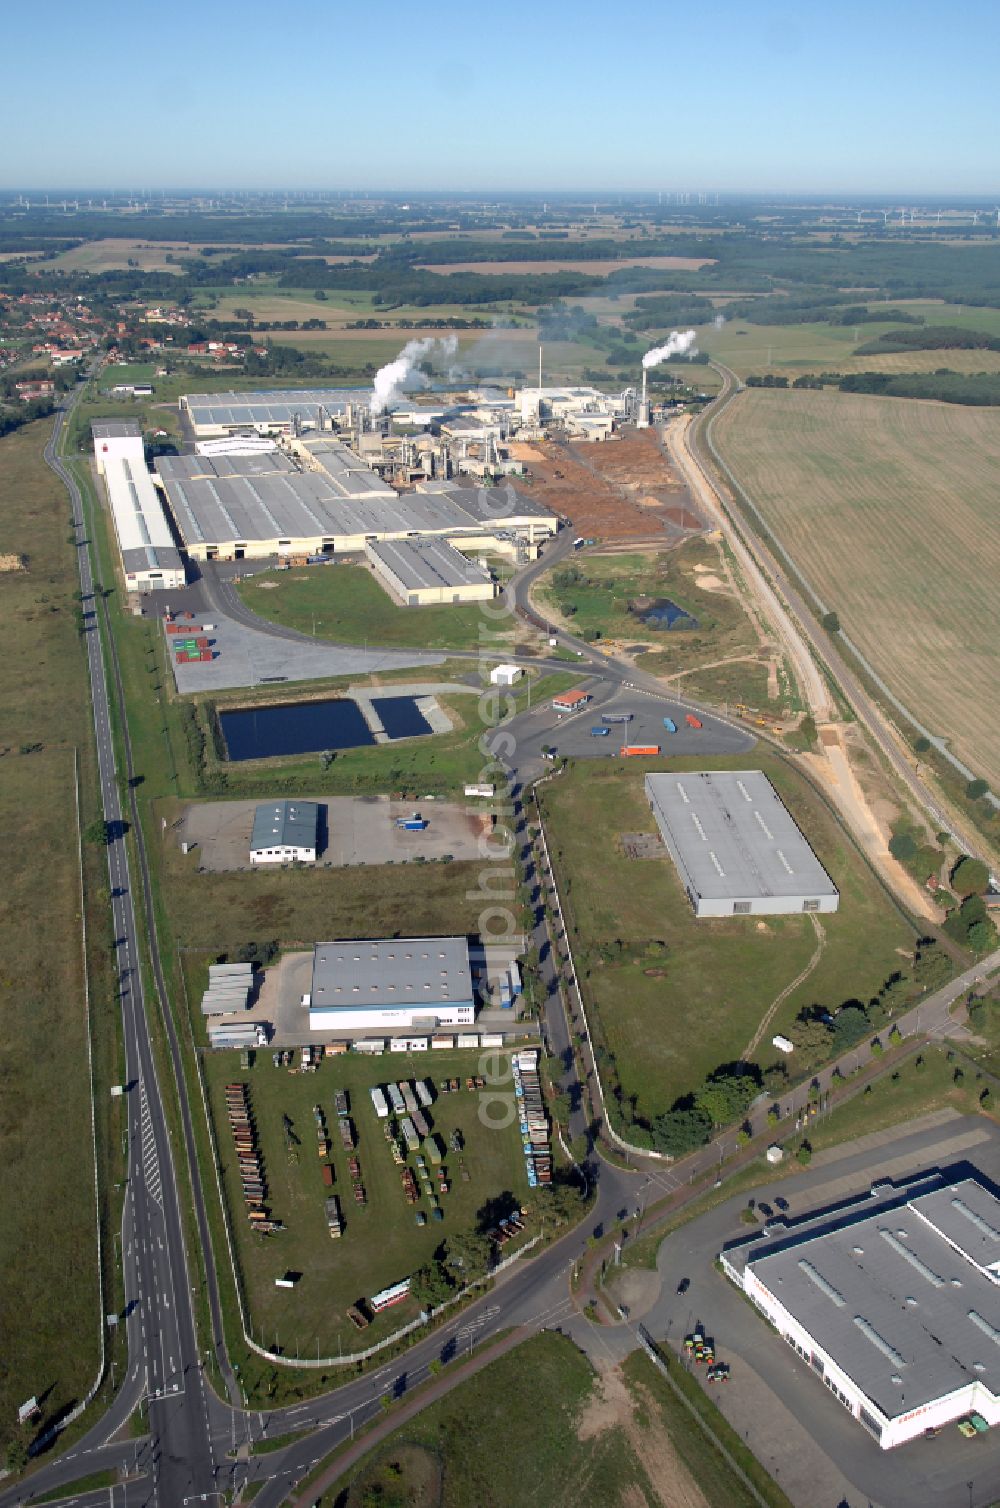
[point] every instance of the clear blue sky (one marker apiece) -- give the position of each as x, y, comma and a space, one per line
888, 96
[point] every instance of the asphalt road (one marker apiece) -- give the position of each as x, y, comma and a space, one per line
196, 1446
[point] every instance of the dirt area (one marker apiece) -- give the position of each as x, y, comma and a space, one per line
360, 830
636, 1289
710, 583
613, 1406
620, 489
836, 775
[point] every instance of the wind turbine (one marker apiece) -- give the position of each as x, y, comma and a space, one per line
975, 217
885, 218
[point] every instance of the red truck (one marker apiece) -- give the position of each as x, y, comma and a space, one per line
692, 721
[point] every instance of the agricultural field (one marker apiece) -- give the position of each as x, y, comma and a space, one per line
50, 1310
382, 1243
887, 506
623, 1439
674, 996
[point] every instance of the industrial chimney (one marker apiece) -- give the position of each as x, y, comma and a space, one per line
642, 419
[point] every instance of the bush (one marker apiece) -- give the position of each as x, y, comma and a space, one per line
804, 1154
969, 877
902, 846
976, 789
831, 623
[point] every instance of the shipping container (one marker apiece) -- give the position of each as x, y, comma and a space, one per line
628, 750
327, 1171
443, 1042
425, 1094
616, 717
600, 732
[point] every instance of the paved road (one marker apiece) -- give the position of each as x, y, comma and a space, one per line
194, 1437
162, 1351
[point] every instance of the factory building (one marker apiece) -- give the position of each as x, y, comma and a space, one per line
891, 1300
285, 832
400, 984
150, 559
736, 847
421, 572
236, 507
271, 411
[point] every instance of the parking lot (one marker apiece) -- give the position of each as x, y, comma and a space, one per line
358, 830
571, 734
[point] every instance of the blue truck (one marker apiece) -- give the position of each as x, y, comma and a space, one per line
670, 725
599, 732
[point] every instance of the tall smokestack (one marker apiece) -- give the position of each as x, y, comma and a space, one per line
642, 420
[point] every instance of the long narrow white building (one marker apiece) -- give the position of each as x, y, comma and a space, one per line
150, 559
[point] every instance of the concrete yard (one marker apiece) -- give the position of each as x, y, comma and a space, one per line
355, 830
249, 657
278, 1002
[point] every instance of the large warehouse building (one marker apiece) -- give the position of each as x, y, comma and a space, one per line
402, 983
150, 559
893, 1302
737, 848
269, 410
236, 507
421, 572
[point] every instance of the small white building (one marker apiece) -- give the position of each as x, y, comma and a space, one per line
505, 675
285, 832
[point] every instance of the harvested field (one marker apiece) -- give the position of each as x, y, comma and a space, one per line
596, 269
888, 506
620, 489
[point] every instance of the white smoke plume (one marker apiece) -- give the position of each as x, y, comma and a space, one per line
679, 343
392, 380
719, 321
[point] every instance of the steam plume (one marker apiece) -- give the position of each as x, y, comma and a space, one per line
396, 376
679, 343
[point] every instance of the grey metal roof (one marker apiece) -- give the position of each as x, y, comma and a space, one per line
732, 836
285, 824
498, 506
426, 563
216, 499
392, 973
897, 1289
115, 429
270, 405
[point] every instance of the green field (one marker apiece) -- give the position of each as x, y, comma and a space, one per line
887, 506
381, 1243
670, 1019
907, 1093
216, 913
50, 1303
344, 603
567, 1438
592, 593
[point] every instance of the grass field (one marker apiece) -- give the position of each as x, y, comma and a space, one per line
606, 584
548, 1431
381, 1243
670, 1020
296, 908
50, 1311
345, 603
908, 1092
887, 507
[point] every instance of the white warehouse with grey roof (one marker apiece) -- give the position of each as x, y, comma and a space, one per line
421, 572
737, 849
400, 983
150, 558
893, 1301
285, 832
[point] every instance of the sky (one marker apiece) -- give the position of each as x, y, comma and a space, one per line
886, 96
